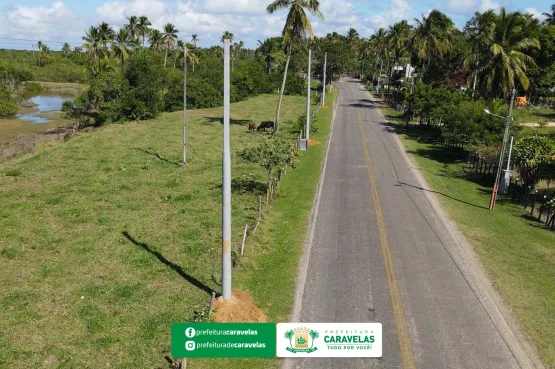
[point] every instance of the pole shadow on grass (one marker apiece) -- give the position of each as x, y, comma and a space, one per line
442, 194
231, 121
157, 156
192, 280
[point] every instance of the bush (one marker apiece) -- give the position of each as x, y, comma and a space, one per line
8, 105
531, 153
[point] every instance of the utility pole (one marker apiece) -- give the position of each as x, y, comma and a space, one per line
324, 86
226, 186
506, 181
184, 105
308, 99
502, 154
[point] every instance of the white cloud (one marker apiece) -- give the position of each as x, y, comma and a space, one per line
55, 22
398, 10
235, 6
536, 13
462, 6
486, 5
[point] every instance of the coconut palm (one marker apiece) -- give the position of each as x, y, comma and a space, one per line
107, 33
270, 53
103, 66
169, 36
227, 36
507, 58
380, 48
297, 27
123, 45
156, 39
44, 53
66, 50
194, 40
192, 58
133, 26
479, 32
432, 36
550, 17
94, 44
398, 38
352, 35
143, 25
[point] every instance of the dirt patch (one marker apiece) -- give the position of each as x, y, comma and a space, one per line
240, 308
313, 142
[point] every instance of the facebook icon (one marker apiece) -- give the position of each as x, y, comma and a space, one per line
190, 332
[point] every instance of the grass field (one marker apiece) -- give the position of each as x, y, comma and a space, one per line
516, 251
105, 240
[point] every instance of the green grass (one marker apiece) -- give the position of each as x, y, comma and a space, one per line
105, 241
532, 115
516, 251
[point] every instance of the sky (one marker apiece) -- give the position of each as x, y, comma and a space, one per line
24, 22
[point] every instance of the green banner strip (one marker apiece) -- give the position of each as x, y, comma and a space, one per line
223, 340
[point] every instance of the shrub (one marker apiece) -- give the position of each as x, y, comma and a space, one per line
8, 105
531, 153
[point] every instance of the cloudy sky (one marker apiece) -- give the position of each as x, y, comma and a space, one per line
23, 22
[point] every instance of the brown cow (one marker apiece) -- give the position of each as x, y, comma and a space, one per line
252, 127
265, 124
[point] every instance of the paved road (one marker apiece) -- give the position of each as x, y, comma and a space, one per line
381, 254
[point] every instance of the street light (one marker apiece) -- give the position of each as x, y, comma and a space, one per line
508, 120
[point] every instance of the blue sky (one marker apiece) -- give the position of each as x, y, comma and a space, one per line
26, 21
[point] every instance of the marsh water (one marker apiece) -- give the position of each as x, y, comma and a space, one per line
45, 114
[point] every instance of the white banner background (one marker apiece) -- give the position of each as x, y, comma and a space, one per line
325, 332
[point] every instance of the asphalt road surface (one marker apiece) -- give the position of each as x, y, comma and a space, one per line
379, 253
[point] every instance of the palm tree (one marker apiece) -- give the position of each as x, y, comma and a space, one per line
192, 59
195, 39
227, 36
550, 17
94, 43
106, 32
123, 44
432, 36
289, 335
156, 39
103, 66
143, 27
270, 53
313, 335
398, 38
380, 48
507, 53
169, 36
66, 50
133, 26
352, 35
297, 27
479, 32
43, 54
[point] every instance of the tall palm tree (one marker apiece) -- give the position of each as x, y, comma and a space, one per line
66, 50
94, 44
297, 27
507, 53
106, 32
44, 53
194, 40
227, 36
133, 26
169, 36
103, 66
156, 39
143, 26
550, 17
123, 45
479, 32
432, 36
398, 37
192, 58
270, 53
352, 35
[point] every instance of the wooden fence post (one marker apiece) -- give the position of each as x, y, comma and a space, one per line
244, 238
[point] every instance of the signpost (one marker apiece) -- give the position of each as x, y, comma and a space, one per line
226, 186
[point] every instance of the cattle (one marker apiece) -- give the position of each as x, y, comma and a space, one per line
252, 127
265, 124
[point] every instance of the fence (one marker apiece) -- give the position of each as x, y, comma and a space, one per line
541, 203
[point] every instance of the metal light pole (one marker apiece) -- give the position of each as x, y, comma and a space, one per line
226, 186
184, 105
506, 181
324, 85
502, 154
307, 134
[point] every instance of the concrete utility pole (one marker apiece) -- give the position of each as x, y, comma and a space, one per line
324, 84
502, 154
226, 186
506, 181
308, 99
184, 105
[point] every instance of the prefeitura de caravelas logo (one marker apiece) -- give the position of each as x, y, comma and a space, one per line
329, 340
299, 339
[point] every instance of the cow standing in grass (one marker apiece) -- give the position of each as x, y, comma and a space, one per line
265, 124
252, 127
